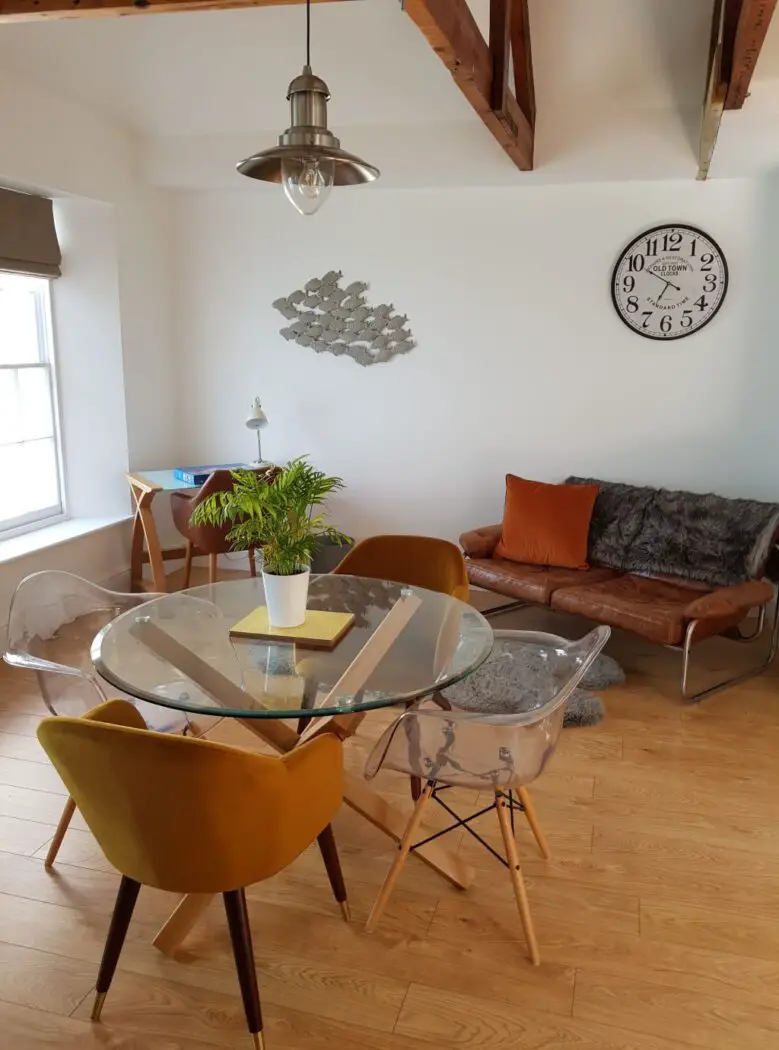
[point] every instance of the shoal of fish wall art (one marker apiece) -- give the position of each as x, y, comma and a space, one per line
330, 319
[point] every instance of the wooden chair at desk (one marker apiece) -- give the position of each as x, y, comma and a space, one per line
205, 539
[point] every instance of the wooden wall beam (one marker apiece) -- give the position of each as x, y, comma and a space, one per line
455, 37
34, 10
747, 23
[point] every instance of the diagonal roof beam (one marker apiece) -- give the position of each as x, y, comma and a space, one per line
746, 25
455, 37
34, 10
738, 31
523, 60
716, 90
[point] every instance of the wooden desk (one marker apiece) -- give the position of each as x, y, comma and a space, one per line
145, 548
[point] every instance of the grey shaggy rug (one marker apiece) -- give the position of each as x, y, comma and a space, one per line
516, 678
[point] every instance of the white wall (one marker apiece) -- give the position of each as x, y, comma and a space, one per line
87, 335
111, 312
66, 150
521, 365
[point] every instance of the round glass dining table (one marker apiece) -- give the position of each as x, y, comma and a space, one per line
405, 643
177, 651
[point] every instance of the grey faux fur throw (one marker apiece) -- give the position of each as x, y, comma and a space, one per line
656, 532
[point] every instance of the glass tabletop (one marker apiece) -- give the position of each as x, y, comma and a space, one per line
176, 650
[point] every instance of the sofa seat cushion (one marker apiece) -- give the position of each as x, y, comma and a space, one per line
654, 609
531, 583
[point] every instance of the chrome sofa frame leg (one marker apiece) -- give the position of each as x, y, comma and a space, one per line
689, 638
499, 610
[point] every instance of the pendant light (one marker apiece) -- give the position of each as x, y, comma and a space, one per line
308, 160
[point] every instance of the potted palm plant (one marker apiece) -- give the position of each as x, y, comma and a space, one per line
278, 515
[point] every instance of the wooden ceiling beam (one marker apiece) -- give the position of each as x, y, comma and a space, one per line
716, 90
747, 23
455, 37
34, 10
500, 53
739, 29
524, 90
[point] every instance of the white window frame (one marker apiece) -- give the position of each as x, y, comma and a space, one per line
39, 519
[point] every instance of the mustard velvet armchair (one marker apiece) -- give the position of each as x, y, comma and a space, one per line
143, 793
419, 561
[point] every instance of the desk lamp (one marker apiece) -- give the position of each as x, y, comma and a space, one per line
257, 421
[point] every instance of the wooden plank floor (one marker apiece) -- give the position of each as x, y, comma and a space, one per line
658, 915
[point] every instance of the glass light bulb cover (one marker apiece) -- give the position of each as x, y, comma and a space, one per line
307, 181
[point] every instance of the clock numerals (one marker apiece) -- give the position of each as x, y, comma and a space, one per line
672, 242
669, 282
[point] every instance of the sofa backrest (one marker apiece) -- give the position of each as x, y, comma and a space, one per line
658, 532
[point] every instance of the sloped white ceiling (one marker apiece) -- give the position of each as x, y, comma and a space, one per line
619, 83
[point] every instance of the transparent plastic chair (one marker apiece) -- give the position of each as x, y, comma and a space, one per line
53, 618
496, 731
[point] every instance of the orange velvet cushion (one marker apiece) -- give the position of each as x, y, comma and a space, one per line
546, 524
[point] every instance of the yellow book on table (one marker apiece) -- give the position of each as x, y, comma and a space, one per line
319, 630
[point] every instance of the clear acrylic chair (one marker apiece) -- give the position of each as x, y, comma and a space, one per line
53, 619
528, 679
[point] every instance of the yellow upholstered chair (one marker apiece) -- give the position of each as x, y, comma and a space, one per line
419, 561
191, 816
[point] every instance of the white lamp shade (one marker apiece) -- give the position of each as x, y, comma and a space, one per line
256, 419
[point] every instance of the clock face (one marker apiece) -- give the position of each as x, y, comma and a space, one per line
669, 282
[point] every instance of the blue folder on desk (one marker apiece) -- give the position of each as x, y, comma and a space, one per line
198, 475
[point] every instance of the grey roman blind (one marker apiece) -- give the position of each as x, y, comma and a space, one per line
28, 239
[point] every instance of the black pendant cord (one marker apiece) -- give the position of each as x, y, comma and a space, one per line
308, 33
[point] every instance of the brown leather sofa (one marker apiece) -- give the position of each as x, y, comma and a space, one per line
673, 610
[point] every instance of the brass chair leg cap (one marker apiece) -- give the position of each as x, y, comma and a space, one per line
97, 1006
259, 1040
346, 911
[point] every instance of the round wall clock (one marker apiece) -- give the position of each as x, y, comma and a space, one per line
669, 282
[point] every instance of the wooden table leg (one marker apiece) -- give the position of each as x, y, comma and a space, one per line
281, 736
393, 821
187, 912
384, 815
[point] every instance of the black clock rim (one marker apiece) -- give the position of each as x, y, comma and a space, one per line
646, 233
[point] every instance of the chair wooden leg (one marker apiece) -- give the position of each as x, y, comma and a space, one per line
120, 920
532, 819
252, 563
501, 807
243, 952
397, 865
59, 834
329, 851
212, 568
188, 564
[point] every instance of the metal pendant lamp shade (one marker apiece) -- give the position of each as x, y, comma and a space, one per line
308, 136
308, 160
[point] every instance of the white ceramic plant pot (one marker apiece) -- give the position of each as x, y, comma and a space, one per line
286, 598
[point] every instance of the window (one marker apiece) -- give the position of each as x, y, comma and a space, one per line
31, 490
